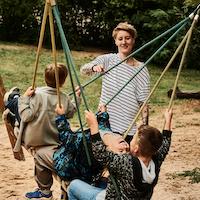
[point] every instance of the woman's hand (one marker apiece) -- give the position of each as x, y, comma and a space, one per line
98, 68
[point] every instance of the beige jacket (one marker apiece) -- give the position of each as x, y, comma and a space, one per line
37, 114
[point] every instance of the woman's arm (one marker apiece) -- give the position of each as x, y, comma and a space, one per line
93, 67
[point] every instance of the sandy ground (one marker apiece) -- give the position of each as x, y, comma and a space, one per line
17, 176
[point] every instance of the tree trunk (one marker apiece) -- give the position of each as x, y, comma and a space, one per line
184, 95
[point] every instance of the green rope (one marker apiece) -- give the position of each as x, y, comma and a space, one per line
69, 64
137, 51
68, 52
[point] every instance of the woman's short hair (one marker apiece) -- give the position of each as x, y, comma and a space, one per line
125, 26
50, 77
149, 140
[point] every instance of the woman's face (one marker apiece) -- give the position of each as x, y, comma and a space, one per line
125, 42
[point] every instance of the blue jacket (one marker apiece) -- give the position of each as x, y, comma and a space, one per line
70, 159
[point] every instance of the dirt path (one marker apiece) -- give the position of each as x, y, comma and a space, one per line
17, 177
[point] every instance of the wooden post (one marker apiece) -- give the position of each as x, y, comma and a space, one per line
17, 155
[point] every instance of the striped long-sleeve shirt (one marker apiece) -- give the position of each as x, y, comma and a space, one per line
123, 108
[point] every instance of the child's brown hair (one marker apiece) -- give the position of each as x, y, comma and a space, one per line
50, 78
149, 140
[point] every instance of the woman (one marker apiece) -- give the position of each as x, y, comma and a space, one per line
123, 108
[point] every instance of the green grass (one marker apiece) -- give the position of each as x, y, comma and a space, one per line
17, 67
194, 175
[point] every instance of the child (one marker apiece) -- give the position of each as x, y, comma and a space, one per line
70, 159
136, 173
36, 111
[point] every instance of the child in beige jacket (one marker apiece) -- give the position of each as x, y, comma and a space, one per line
36, 110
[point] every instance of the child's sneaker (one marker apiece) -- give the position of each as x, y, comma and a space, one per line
11, 94
39, 195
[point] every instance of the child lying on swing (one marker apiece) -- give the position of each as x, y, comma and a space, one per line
70, 160
136, 173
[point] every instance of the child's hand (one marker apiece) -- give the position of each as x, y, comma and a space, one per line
29, 92
168, 118
78, 91
59, 110
102, 108
92, 122
168, 115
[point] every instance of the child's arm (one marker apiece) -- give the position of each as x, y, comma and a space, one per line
28, 105
114, 142
105, 157
62, 124
168, 119
163, 151
71, 108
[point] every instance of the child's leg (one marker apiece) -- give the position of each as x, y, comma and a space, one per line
81, 190
43, 159
11, 102
12, 105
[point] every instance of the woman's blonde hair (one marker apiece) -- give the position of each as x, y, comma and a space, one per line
50, 78
125, 26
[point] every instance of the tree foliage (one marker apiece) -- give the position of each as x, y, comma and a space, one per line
90, 23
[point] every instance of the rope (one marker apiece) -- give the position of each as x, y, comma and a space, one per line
68, 53
182, 59
40, 42
69, 62
54, 54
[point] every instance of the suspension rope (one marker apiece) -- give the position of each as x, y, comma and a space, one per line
40, 41
54, 54
67, 52
69, 64
183, 58
187, 37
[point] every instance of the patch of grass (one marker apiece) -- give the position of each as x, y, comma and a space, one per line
17, 68
196, 109
194, 175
